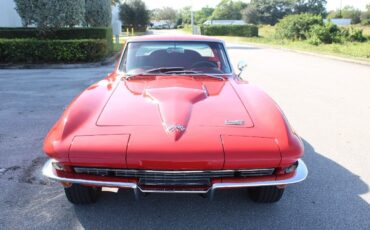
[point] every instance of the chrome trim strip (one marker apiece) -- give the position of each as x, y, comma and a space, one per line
48, 171
299, 176
161, 172
174, 191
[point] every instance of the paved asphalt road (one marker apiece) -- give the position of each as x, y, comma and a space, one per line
327, 101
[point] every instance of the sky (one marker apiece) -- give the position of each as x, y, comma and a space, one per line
197, 4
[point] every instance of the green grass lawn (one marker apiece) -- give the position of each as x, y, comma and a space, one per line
356, 50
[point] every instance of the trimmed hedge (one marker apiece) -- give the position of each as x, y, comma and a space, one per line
52, 51
59, 34
230, 30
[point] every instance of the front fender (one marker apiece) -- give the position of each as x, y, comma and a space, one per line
270, 121
79, 115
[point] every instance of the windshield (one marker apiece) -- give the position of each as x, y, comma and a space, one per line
196, 57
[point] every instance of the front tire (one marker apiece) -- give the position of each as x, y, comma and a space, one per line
79, 194
266, 194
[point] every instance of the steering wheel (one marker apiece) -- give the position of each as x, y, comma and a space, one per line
204, 64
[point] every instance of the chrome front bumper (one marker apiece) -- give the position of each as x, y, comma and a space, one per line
300, 174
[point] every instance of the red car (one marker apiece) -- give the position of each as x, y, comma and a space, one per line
173, 117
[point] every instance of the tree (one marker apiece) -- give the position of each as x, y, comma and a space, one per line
203, 14
98, 13
317, 7
269, 12
352, 13
186, 15
365, 16
334, 14
167, 14
134, 13
25, 9
74, 12
347, 12
51, 13
250, 15
229, 10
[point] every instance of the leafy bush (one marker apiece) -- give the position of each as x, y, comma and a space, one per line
98, 13
297, 27
59, 34
328, 33
51, 13
51, 51
353, 34
230, 30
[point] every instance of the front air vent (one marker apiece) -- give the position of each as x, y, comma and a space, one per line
174, 178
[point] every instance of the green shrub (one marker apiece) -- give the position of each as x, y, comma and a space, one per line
353, 34
59, 34
328, 33
52, 51
230, 30
297, 27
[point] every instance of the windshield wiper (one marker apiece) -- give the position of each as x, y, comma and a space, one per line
164, 69
156, 70
200, 74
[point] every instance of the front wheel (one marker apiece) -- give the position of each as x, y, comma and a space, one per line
79, 194
267, 194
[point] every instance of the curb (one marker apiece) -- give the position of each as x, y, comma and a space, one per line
107, 61
327, 56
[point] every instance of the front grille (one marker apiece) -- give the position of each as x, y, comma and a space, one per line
174, 178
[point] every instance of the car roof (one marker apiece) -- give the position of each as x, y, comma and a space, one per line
174, 38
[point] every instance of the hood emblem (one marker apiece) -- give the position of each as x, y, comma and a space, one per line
234, 122
175, 128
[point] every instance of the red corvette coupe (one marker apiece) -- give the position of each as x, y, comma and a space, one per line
173, 117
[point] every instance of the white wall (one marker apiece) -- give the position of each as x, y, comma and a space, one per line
116, 23
8, 15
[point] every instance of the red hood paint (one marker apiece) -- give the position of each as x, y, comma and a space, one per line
124, 123
173, 101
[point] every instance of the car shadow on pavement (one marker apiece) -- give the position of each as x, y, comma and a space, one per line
328, 199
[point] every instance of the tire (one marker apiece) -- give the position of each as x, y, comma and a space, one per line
79, 194
267, 194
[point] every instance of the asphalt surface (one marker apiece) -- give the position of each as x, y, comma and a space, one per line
326, 101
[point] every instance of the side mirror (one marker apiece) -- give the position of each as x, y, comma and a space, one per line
242, 65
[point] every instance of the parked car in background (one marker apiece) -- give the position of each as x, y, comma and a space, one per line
174, 117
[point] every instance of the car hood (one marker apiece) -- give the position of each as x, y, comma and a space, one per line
175, 103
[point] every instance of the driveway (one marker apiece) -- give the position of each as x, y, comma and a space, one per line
326, 101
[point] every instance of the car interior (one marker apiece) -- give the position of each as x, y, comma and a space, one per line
188, 59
